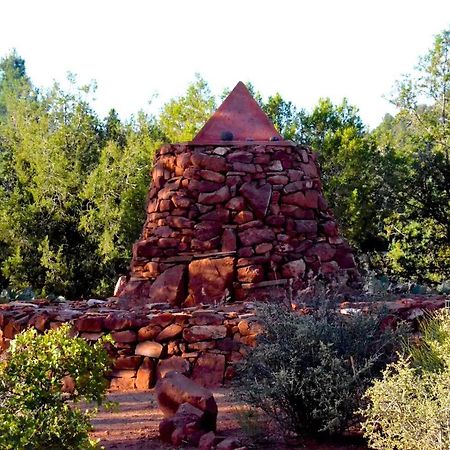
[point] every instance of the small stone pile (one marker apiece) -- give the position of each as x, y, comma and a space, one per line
190, 414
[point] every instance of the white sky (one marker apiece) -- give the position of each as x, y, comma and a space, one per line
302, 49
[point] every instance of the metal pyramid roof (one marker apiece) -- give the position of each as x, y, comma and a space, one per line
238, 118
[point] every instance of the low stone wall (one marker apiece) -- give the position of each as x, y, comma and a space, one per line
204, 344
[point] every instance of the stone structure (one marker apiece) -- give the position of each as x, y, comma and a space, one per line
238, 213
205, 343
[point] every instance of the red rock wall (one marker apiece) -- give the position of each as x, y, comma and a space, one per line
203, 344
240, 221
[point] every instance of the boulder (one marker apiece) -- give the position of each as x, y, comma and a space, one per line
175, 389
212, 198
254, 236
294, 269
322, 250
183, 427
208, 441
170, 332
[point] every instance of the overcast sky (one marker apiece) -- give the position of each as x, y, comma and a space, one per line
302, 49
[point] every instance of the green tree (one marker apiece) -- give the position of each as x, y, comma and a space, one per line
182, 117
419, 231
284, 116
115, 194
358, 175
53, 142
13, 80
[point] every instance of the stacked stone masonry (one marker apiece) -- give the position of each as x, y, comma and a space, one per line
243, 221
204, 344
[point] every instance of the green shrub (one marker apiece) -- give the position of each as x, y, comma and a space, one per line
309, 372
34, 412
409, 408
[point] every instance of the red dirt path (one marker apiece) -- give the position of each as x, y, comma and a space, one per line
134, 424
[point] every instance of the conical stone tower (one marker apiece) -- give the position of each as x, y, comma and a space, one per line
236, 214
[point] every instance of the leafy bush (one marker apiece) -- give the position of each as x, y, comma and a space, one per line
34, 412
309, 372
409, 407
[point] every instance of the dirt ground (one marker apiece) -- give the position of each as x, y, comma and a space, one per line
133, 425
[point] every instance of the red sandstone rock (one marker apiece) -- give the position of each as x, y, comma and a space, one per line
148, 332
122, 384
204, 332
179, 222
210, 279
228, 240
263, 248
236, 204
149, 348
208, 441
218, 215
243, 217
175, 389
309, 199
206, 318
202, 346
209, 370
214, 163
172, 364
183, 427
322, 250
170, 332
127, 362
251, 274
249, 327
210, 175
254, 236
306, 226
212, 198
145, 375
329, 267
258, 197
240, 156
125, 336
116, 322
169, 286
89, 323
294, 269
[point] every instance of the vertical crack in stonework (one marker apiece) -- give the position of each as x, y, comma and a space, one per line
234, 218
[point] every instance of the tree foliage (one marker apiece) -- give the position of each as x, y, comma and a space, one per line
35, 413
419, 230
73, 186
182, 117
